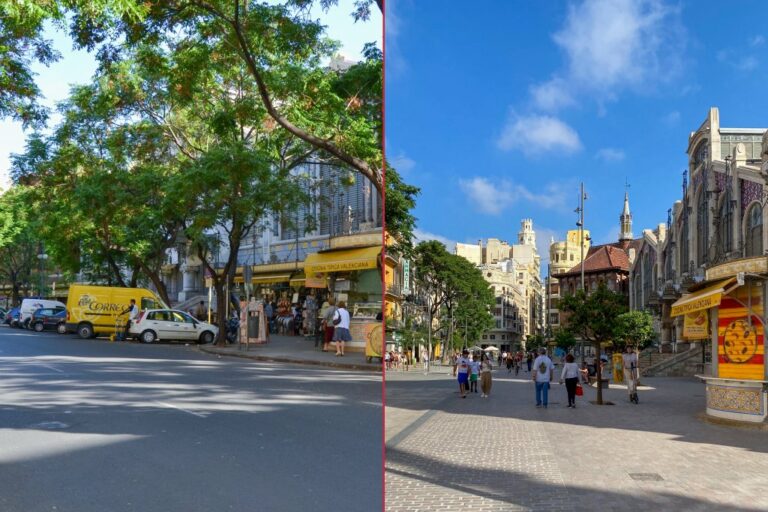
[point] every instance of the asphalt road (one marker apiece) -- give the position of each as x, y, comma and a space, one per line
88, 425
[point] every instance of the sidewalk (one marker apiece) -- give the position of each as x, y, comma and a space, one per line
298, 350
504, 454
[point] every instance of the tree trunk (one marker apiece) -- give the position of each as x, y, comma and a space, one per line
162, 290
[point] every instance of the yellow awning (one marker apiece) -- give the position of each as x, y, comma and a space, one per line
342, 260
266, 278
703, 299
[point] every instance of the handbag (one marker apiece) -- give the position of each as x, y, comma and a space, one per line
579, 390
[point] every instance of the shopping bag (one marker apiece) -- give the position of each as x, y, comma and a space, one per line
579, 390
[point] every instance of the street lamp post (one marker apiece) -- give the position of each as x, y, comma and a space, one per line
42, 257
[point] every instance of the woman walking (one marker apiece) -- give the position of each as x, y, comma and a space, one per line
485, 376
341, 333
571, 377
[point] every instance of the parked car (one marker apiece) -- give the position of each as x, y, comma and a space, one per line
171, 324
29, 306
3, 312
12, 318
49, 318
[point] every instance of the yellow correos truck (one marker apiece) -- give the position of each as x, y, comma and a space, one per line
93, 310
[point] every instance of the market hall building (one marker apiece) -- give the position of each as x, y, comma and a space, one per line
708, 277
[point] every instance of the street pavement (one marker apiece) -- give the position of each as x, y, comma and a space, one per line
503, 454
296, 349
94, 426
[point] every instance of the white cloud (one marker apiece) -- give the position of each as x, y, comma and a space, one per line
672, 118
747, 63
493, 197
543, 239
395, 61
610, 155
758, 40
423, 236
612, 45
402, 163
552, 95
537, 134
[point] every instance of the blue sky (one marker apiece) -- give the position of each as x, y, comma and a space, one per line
76, 67
498, 111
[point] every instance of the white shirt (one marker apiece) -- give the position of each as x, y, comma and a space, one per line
463, 364
629, 360
570, 371
548, 367
133, 313
475, 367
344, 314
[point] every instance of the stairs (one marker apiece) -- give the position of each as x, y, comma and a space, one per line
192, 302
649, 357
683, 364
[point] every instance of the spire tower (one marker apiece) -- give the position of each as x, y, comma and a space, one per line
626, 219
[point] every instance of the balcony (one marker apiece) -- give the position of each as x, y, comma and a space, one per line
395, 290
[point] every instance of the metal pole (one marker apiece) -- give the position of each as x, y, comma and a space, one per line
429, 336
581, 231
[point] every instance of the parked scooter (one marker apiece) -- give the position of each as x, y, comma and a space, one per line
233, 328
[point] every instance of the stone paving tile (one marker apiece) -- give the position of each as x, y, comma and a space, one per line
503, 454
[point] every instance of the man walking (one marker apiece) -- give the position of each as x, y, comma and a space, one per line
200, 312
631, 373
543, 374
462, 364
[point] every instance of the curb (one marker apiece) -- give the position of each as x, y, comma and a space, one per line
278, 359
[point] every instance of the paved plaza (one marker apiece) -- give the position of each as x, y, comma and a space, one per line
503, 454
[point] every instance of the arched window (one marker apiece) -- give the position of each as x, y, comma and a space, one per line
702, 227
638, 290
647, 275
725, 229
685, 238
754, 231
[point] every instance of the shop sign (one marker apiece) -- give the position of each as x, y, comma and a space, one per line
705, 302
316, 281
406, 277
740, 336
696, 325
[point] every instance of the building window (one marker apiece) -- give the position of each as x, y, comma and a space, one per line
725, 229
702, 227
754, 231
485, 336
571, 257
685, 240
493, 336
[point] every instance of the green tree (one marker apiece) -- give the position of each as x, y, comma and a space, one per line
564, 339
535, 341
19, 244
457, 292
593, 317
634, 328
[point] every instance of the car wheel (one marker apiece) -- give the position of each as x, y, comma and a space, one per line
85, 331
148, 337
206, 337
38, 327
61, 328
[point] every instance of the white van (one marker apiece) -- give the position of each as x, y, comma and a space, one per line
29, 306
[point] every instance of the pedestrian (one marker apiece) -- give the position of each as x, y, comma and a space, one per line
462, 371
510, 362
474, 366
200, 312
133, 314
584, 372
543, 374
570, 376
454, 361
328, 327
485, 376
341, 332
631, 373
269, 313
425, 359
529, 360
388, 360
